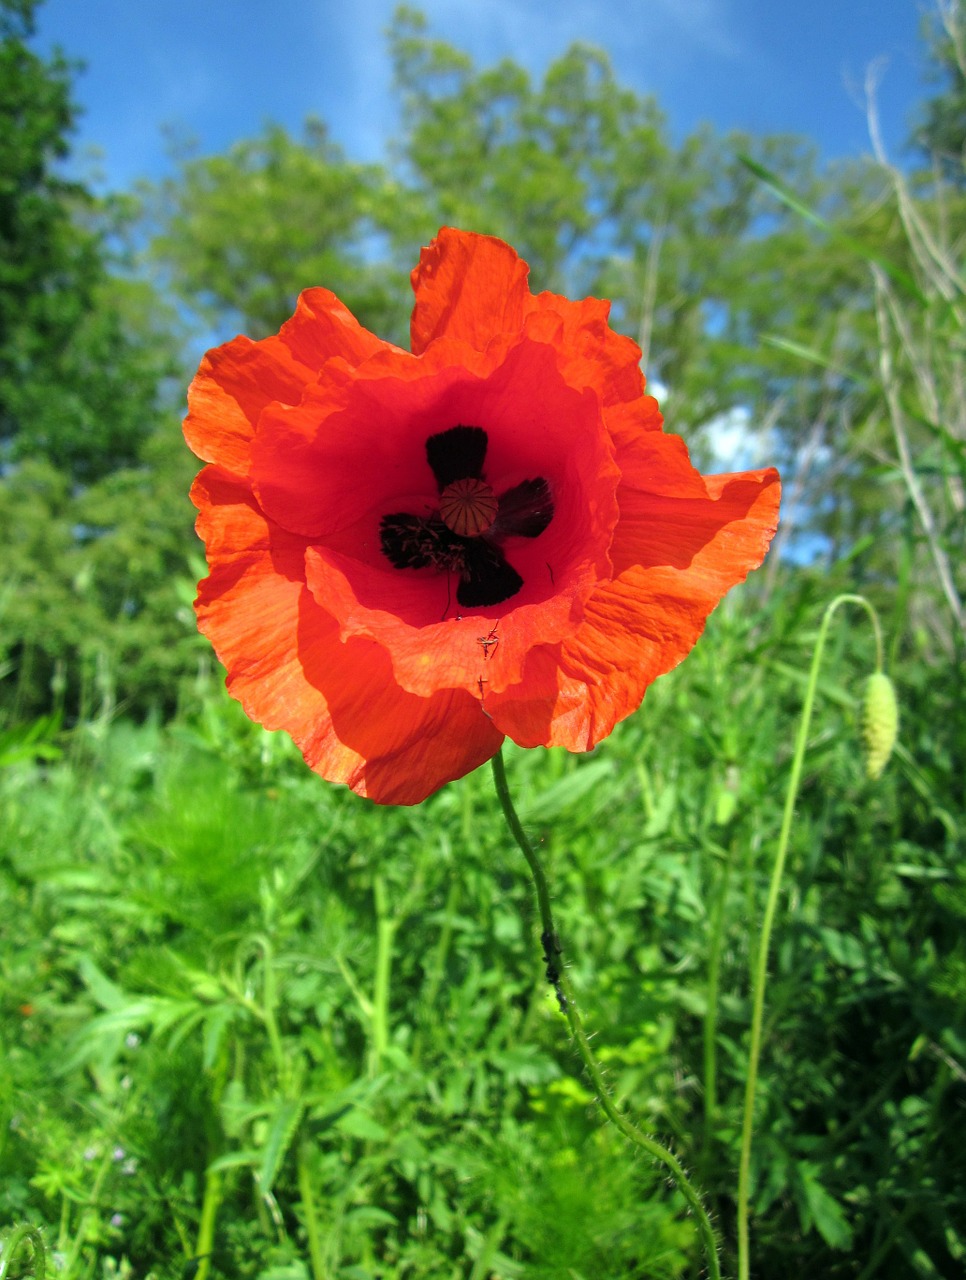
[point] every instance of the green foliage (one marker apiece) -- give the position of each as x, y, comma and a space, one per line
255, 1027
490, 152
92, 521
216, 977
78, 381
322, 1028
96, 600
906, 382
242, 234
941, 129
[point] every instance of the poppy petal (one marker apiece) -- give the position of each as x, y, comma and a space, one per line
468, 287
231, 388
237, 380
593, 355
323, 329
289, 669
674, 561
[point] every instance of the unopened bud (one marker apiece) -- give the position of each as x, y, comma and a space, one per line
880, 723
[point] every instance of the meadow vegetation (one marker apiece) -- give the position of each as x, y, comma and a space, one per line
256, 1027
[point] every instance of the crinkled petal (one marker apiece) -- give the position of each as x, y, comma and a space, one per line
237, 380
231, 388
468, 287
323, 328
474, 288
658, 463
288, 667
674, 560
593, 355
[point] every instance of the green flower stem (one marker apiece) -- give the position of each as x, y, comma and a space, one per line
307, 1196
213, 1186
23, 1235
270, 998
210, 1204
760, 978
710, 1022
385, 933
266, 1011
562, 985
73, 1252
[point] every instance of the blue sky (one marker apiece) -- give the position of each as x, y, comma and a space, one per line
216, 70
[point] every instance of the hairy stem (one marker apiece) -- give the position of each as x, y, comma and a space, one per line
307, 1196
19, 1237
385, 935
557, 976
760, 978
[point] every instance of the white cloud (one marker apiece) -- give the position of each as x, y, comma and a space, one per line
737, 444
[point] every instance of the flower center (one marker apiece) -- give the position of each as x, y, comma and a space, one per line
468, 507
464, 535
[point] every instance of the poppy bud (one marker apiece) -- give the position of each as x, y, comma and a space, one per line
880, 723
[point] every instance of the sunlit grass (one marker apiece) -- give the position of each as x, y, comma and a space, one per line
322, 1028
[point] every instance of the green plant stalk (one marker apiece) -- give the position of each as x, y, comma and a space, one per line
306, 1195
385, 934
268, 1011
212, 1196
441, 954
206, 1227
484, 1259
22, 1235
710, 1024
760, 978
79, 1239
63, 1227
568, 1004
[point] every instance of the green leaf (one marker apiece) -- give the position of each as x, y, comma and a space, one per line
823, 1210
359, 1124
246, 1158
844, 948
371, 1215
284, 1123
107, 993
571, 792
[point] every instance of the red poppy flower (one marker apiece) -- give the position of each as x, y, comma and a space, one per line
415, 554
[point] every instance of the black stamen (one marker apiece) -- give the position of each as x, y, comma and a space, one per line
487, 578
412, 542
456, 454
524, 511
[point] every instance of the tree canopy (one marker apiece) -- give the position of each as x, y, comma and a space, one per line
723, 285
